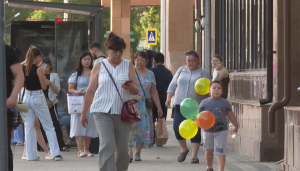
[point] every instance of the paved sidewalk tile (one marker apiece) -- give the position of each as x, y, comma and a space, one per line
154, 159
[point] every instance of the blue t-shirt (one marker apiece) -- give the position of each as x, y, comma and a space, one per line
219, 107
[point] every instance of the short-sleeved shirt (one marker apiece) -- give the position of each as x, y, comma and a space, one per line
82, 83
163, 78
146, 82
183, 83
11, 59
220, 108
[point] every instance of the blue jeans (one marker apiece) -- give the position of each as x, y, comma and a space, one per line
178, 118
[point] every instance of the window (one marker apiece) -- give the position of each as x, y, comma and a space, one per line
240, 33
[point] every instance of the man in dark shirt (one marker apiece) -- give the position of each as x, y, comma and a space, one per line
163, 78
13, 73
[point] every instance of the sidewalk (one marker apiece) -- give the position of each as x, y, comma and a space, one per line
154, 159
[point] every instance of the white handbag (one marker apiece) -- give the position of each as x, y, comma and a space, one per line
75, 103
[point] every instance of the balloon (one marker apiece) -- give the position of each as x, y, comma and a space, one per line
188, 129
206, 120
202, 86
189, 108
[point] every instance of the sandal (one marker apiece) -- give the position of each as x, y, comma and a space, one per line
89, 154
81, 153
65, 149
195, 160
182, 156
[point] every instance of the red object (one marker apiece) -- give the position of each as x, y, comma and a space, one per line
58, 20
32, 19
128, 82
205, 120
129, 111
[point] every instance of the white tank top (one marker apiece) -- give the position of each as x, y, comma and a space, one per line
106, 97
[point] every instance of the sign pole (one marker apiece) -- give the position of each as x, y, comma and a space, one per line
3, 111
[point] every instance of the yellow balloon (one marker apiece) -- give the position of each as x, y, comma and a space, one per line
188, 129
202, 86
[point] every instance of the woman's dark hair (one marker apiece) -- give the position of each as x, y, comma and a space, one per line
32, 53
150, 55
219, 57
193, 53
141, 54
115, 42
79, 68
47, 61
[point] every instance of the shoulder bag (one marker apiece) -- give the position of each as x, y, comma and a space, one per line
149, 102
129, 110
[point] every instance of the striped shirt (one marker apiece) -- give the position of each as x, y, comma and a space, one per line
106, 97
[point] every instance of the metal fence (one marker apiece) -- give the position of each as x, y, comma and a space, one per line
240, 33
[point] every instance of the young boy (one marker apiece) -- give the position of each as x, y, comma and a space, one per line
215, 138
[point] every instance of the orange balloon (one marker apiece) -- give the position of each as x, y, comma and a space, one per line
205, 120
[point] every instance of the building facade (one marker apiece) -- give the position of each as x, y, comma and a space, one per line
248, 34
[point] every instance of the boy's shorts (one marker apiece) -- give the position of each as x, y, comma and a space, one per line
216, 141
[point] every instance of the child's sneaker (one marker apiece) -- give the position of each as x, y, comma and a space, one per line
210, 169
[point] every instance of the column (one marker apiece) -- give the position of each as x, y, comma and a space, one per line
179, 32
120, 22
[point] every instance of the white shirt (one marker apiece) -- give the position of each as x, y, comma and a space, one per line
182, 86
106, 97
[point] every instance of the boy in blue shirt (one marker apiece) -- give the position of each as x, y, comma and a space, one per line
215, 138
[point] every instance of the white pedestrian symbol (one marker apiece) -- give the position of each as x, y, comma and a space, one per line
151, 37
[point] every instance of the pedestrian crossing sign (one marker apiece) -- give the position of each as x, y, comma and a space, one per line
151, 36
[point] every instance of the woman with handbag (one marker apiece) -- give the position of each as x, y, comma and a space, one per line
78, 83
181, 87
37, 126
35, 82
143, 133
113, 81
50, 93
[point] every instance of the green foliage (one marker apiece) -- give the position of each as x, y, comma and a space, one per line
151, 19
9, 17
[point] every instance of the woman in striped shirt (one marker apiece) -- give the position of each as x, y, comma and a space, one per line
102, 96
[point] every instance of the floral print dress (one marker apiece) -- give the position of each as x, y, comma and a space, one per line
144, 131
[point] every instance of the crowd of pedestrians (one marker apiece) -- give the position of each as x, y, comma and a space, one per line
105, 83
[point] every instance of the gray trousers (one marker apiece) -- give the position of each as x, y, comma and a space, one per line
113, 142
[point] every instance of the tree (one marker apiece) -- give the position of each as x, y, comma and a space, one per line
151, 19
9, 17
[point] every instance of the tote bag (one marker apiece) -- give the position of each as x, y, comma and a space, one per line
75, 103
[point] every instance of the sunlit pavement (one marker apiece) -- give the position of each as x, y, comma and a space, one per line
154, 159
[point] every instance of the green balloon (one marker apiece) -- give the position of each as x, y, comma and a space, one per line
189, 108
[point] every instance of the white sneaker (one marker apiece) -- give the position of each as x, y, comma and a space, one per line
48, 156
24, 157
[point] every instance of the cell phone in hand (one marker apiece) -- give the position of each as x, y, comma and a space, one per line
43, 65
168, 105
128, 82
